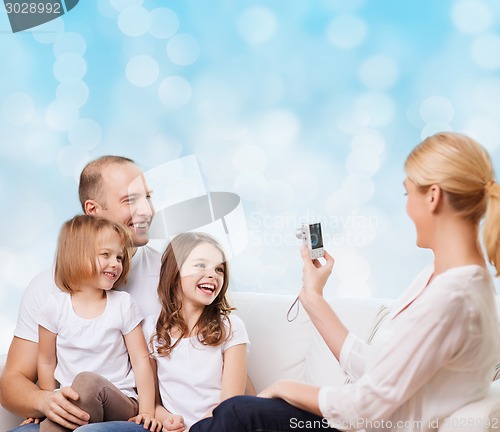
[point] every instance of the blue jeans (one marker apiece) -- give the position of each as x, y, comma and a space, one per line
112, 426
253, 414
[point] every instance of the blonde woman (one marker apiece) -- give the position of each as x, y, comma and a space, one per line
437, 349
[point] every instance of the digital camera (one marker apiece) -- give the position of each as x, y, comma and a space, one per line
313, 237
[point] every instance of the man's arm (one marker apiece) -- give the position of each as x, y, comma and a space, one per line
19, 393
22, 396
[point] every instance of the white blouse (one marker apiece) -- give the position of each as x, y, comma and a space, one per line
434, 353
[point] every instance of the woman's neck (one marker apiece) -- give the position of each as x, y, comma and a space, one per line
456, 244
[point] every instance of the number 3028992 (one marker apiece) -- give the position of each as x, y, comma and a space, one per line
33, 8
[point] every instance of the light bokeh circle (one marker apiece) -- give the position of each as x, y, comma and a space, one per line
61, 115
369, 139
183, 49
363, 162
486, 130
121, 5
134, 21
485, 52
75, 91
18, 108
142, 70
257, 25
50, 31
164, 23
379, 72
174, 92
251, 185
471, 16
346, 31
85, 133
69, 67
377, 109
250, 157
437, 108
434, 127
71, 160
70, 42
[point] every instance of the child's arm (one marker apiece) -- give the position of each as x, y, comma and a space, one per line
170, 422
47, 359
144, 379
234, 373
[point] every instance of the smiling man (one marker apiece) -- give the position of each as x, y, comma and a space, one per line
115, 188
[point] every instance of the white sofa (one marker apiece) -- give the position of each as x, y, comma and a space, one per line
281, 349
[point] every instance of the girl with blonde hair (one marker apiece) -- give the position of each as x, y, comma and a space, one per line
90, 336
436, 350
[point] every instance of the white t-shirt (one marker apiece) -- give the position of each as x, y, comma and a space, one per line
434, 353
141, 285
190, 378
93, 345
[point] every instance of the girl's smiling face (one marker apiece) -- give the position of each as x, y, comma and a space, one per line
109, 259
202, 275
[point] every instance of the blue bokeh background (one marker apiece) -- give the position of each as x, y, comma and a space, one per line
306, 109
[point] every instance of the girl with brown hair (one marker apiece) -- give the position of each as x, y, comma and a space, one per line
198, 348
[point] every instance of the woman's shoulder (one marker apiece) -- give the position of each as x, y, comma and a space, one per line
464, 280
462, 291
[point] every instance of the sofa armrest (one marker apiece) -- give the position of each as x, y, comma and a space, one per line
7, 420
479, 416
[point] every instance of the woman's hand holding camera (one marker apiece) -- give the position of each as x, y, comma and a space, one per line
314, 275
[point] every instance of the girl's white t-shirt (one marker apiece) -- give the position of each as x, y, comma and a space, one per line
93, 345
190, 378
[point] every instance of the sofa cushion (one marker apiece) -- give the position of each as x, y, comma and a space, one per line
358, 315
277, 347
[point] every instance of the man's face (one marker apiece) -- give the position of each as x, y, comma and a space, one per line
126, 198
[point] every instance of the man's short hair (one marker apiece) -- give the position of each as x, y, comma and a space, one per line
90, 186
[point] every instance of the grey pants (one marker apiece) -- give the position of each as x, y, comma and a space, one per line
100, 398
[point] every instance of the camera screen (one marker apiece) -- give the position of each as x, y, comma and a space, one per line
316, 237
